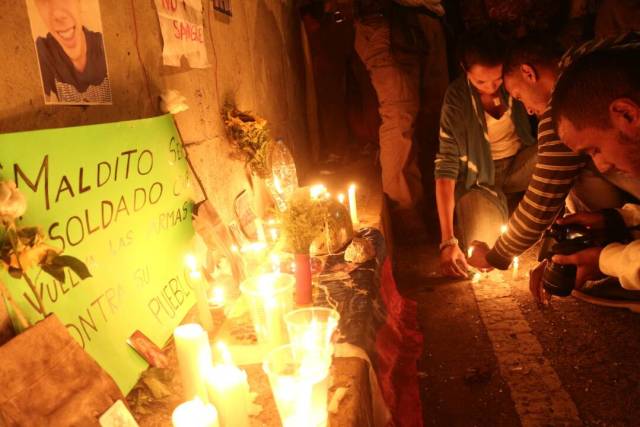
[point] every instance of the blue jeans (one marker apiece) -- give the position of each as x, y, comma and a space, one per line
482, 211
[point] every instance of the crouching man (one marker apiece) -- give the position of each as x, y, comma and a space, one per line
596, 108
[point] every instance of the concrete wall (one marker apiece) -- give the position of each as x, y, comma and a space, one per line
257, 62
256, 58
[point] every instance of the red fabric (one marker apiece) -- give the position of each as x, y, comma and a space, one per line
398, 348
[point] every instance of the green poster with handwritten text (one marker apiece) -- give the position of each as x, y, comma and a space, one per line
116, 196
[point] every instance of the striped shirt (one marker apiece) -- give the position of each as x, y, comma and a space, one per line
553, 177
556, 169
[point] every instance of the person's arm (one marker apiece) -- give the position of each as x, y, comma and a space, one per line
622, 261
447, 167
446, 203
552, 179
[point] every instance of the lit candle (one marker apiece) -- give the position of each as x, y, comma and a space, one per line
516, 262
470, 252
274, 234
341, 198
353, 208
194, 359
503, 228
195, 413
204, 315
254, 255
229, 391
216, 298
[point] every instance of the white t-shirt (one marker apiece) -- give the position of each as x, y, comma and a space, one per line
503, 138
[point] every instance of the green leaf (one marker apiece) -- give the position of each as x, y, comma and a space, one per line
57, 272
74, 264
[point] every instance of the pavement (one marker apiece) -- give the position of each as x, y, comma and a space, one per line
493, 357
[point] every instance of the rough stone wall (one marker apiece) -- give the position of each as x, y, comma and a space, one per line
256, 59
257, 62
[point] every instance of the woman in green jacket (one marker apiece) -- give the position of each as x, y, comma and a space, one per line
487, 151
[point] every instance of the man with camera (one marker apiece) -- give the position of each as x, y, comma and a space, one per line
530, 76
596, 111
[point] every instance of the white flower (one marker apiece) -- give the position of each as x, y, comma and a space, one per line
12, 202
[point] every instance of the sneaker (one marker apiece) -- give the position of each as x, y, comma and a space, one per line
608, 293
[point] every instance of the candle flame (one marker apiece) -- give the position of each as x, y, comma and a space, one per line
515, 261
503, 228
253, 247
224, 352
341, 198
191, 262
274, 234
315, 191
234, 249
217, 296
470, 252
277, 185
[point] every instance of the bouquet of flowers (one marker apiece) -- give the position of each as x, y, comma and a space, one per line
250, 137
22, 248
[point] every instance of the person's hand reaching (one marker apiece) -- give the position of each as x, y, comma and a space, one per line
535, 284
453, 263
586, 261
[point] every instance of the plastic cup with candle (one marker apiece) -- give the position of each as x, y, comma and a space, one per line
194, 359
229, 391
254, 255
195, 413
312, 327
299, 386
269, 297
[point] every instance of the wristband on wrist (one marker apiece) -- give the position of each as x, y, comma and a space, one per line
449, 242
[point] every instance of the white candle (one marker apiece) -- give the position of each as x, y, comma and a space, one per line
204, 315
194, 359
516, 262
229, 391
353, 208
195, 413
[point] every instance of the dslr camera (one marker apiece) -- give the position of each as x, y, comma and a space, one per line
558, 279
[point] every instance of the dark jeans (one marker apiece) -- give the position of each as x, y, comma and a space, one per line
482, 211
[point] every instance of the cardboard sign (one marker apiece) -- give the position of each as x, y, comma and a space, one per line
116, 196
182, 32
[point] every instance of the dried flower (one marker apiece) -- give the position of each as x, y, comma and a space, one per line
12, 202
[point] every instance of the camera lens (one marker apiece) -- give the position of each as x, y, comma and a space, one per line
559, 279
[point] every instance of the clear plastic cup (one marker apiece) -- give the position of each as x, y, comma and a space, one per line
269, 297
312, 327
299, 386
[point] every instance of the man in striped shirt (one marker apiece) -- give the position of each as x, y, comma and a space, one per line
530, 76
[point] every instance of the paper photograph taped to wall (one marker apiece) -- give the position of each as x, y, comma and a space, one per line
70, 51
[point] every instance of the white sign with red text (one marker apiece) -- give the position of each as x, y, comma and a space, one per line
182, 32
